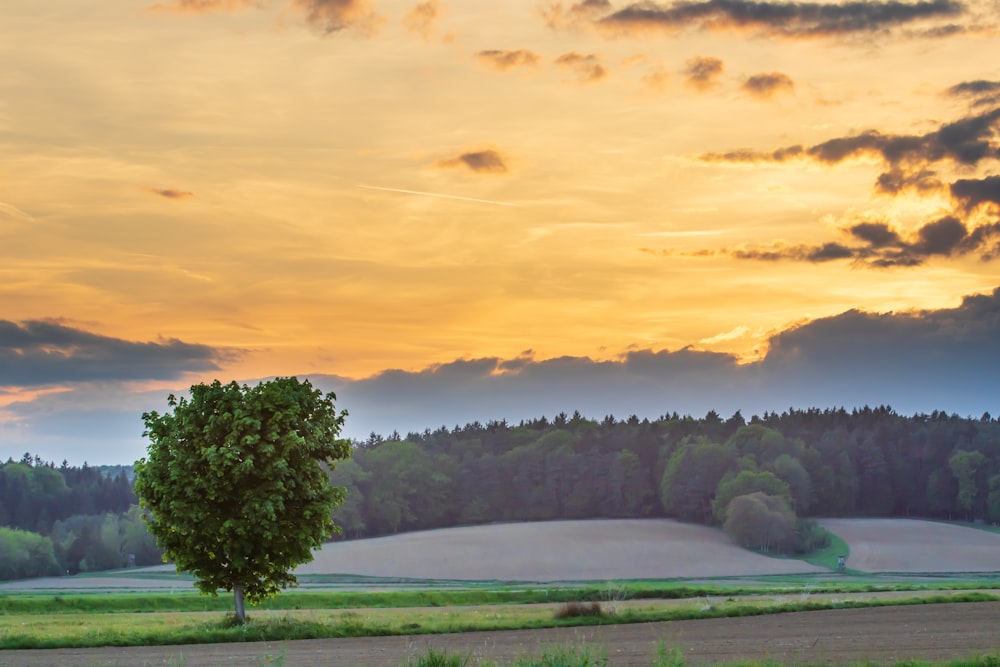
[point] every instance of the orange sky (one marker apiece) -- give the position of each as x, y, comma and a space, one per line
347, 186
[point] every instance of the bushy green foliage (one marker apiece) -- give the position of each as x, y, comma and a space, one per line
760, 521
66, 509
810, 537
692, 477
236, 486
746, 482
24, 555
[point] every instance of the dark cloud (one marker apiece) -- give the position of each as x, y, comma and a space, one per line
766, 86
588, 68
333, 16
170, 193
486, 161
862, 355
884, 247
966, 142
642, 382
876, 234
803, 253
986, 240
976, 88
897, 180
973, 193
911, 165
915, 361
941, 237
420, 20
702, 72
776, 19
503, 60
37, 353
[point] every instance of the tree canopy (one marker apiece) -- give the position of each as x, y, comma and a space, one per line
236, 484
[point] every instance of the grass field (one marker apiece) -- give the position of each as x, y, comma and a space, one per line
32, 621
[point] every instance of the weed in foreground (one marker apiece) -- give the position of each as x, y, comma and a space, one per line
270, 660
435, 658
667, 656
572, 655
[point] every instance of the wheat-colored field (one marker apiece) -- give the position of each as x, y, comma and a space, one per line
552, 551
907, 545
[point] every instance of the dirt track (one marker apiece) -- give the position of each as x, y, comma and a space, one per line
883, 635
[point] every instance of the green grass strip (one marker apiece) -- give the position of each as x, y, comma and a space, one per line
191, 601
827, 556
351, 625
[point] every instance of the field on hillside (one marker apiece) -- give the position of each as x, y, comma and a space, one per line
906, 545
597, 550
553, 551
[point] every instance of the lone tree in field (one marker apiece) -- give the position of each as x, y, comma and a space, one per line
235, 485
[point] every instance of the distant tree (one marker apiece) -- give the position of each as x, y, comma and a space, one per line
965, 466
791, 471
349, 515
24, 554
746, 482
763, 522
993, 501
691, 478
235, 485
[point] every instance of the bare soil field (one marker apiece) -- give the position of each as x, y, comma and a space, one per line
598, 550
906, 545
883, 635
553, 551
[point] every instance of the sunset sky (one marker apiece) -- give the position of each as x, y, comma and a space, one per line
468, 209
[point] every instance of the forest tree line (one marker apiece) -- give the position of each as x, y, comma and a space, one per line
67, 519
774, 470
820, 463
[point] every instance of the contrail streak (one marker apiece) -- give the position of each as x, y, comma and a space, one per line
438, 195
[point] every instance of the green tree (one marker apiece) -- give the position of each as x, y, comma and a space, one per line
760, 521
993, 507
747, 482
350, 514
691, 478
964, 465
24, 554
235, 485
791, 471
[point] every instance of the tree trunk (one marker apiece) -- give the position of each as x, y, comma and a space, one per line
241, 613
